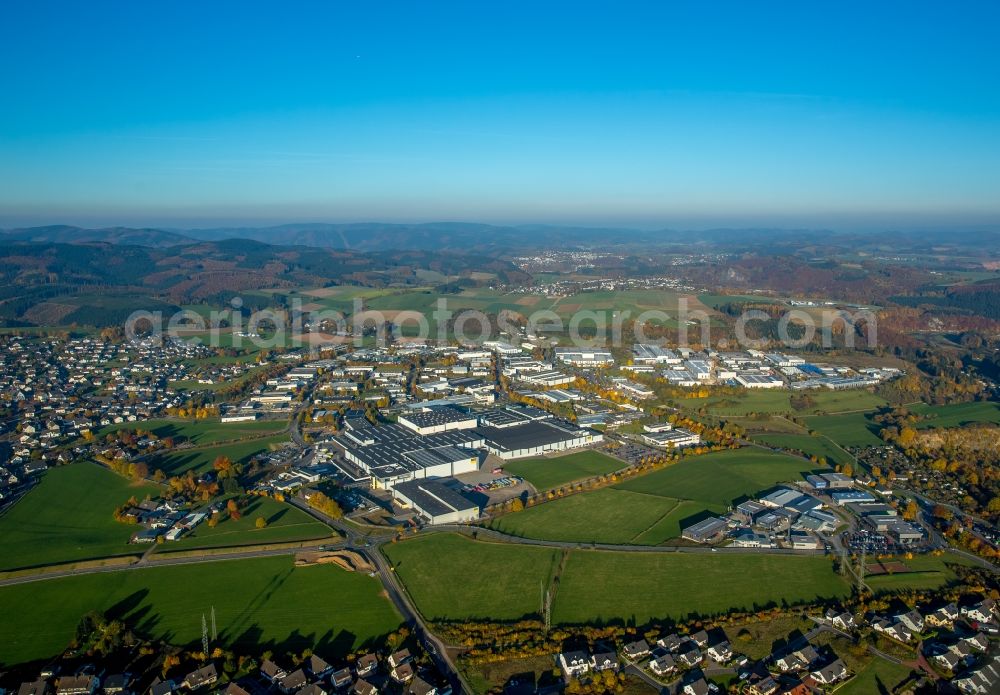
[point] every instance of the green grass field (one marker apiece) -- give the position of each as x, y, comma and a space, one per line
67, 517
608, 515
721, 477
654, 508
640, 587
957, 414
850, 429
285, 524
809, 445
200, 460
260, 604
926, 572
879, 676
546, 473
452, 577
503, 581
200, 432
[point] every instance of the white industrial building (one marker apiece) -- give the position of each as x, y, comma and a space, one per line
435, 501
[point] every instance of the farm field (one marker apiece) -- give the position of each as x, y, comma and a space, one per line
720, 477
200, 460
285, 523
604, 586
608, 515
821, 447
263, 603
849, 429
503, 581
200, 432
654, 508
67, 517
778, 402
500, 581
547, 473
957, 414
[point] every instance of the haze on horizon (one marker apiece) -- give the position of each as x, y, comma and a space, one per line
628, 114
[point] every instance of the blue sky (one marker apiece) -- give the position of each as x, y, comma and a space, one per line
677, 114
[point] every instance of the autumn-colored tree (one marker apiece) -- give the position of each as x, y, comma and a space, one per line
261, 522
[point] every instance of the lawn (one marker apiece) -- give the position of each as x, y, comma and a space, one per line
957, 414
200, 460
200, 432
452, 577
600, 586
849, 429
547, 473
879, 676
67, 517
778, 401
821, 447
285, 524
720, 478
260, 604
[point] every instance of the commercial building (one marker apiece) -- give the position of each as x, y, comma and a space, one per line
585, 357
672, 439
643, 353
706, 531
436, 420
516, 433
435, 501
392, 454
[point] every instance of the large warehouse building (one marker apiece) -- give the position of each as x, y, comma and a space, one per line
511, 433
435, 501
392, 454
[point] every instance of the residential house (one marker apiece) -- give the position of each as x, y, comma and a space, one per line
293, 682
840, 619
978, 642
983, 680
117, 684
700, 638
402, 673
162, 687
911, 619
690, 655
318, 667
418, 686
699, 687
363, 687
39, 687
204, 676
982, 612
764, 686
311, 689
635, 650
604, 661
831, 673
662, 665
721, 652
943, 617
78, 685
574, 663
671, 643
271, 671
949, 661
366, 665
341, 678
399, 658
233, 689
